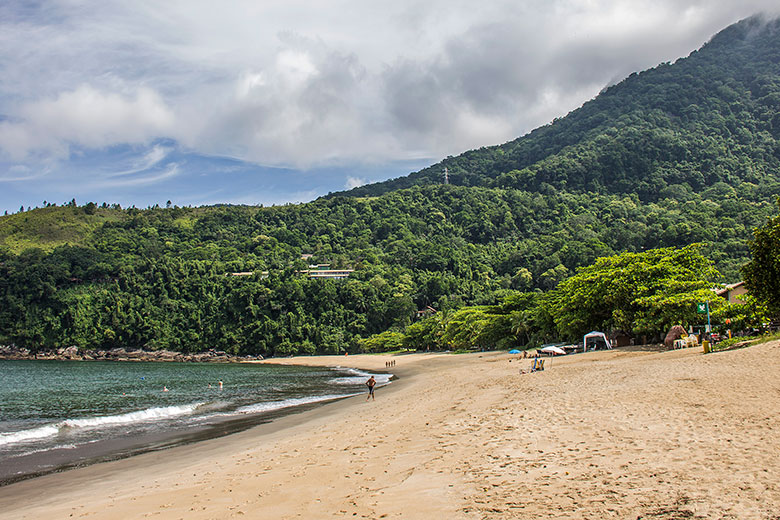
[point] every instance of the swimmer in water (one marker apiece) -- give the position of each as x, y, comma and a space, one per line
220, 385
165, 389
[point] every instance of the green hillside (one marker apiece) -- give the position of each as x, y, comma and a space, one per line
684, 153
47, 228
676, 129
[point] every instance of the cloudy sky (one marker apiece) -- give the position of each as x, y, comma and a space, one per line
266, 102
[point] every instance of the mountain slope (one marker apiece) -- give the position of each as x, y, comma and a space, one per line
711, 117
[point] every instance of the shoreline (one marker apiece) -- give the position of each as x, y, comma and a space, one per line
14, 353
115, 449
29, 489
611, 434
45, 461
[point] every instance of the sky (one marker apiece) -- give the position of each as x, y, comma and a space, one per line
268, 102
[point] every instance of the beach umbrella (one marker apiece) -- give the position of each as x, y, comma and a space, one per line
514, 351
553, 350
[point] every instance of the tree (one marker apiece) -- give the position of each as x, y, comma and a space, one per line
425, 334
641, 293
750, 314
480, 327
762, 272
387, 341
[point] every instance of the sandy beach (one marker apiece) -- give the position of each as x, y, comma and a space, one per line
619, 434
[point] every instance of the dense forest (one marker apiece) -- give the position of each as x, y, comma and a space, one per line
680, 154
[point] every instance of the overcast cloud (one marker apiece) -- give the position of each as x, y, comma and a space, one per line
311, 84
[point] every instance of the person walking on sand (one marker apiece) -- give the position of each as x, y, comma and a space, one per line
371, 383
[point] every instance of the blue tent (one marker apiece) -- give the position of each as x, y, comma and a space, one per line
514, 351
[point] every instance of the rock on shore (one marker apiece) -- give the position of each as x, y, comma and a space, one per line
121, 354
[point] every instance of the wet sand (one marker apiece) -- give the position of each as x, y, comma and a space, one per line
618, 434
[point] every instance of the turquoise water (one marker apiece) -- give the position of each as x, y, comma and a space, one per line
56, 406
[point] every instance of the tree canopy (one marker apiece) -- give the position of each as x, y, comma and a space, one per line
639, 293
762, 272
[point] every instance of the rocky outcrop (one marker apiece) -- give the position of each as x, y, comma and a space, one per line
121, 354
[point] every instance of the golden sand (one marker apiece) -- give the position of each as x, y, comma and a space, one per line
620, 434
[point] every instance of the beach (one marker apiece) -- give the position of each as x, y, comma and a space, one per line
615, 434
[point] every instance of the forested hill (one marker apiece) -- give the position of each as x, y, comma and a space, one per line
675, 129
684, 153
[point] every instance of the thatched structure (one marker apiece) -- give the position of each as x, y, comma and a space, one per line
674, 333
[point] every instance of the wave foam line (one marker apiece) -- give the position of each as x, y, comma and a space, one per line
359, 377
42, 450
287, 403
51, 430
150, 414
32, 434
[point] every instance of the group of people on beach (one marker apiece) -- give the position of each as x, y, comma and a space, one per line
389, 364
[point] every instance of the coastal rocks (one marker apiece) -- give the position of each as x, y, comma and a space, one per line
14, 352
69, 353
168, 355
73, 353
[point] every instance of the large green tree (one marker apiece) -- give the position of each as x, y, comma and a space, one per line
640, 293
762, 272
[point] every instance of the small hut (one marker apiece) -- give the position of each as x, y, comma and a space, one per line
620, 338
673, 335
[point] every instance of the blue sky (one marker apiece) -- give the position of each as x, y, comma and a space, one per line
154, 173
250, 102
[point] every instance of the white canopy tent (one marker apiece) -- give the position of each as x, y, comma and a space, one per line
596, 336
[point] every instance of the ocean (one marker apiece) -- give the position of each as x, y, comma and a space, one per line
60, 414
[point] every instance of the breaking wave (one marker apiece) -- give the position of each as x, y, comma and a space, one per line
62, 427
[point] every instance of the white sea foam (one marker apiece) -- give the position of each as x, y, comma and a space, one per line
150, 414
43, 450
358, 377
140, 416
287, 403
42, 432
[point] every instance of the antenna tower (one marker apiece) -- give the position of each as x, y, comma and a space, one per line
446, 175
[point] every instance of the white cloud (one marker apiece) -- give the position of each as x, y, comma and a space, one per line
86, 117
303, 83
354, 182
155, 177
147, 161
20, 173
